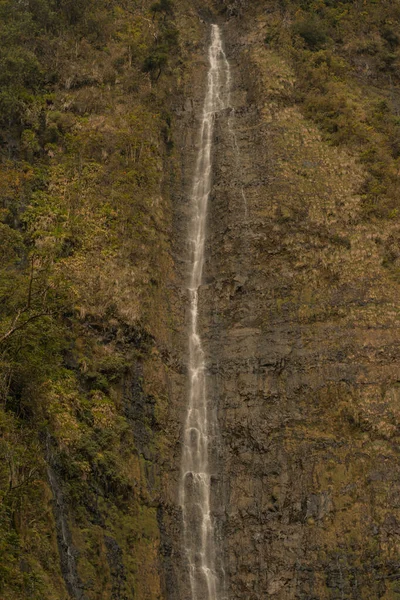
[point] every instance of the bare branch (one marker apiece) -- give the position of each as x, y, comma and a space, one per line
30, 282
15, 327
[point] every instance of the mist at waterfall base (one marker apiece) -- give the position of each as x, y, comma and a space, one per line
195, 493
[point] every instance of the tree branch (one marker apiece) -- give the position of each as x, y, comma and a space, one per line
15, 327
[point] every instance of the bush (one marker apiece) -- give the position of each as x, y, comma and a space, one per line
312, 32
162, 6
155, 62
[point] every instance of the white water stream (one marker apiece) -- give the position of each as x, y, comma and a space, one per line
195, 484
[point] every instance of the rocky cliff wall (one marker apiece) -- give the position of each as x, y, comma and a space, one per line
299, 320
301, 325
91, 320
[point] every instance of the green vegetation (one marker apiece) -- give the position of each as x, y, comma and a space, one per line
83, 139
346, 57
86, 135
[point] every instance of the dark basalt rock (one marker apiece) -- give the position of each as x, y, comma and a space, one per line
300, 328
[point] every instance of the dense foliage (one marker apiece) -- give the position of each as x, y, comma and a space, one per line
83, 136
346, 57
85, 131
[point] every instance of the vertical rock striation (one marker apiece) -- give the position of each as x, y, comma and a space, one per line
199, 429
301, 336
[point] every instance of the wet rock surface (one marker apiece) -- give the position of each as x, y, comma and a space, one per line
301, 328
68, 553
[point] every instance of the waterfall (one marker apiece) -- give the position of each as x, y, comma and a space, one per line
195, 483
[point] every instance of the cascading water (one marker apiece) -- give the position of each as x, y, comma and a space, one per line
198, 528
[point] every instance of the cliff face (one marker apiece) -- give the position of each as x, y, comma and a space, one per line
302, 328
299, 308
87, 322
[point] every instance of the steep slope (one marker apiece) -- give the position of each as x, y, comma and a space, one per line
99, 111
302, 326
87, 285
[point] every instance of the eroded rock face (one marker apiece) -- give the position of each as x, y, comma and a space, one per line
301, 326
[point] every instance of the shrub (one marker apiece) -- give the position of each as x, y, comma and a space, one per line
162, 6
155, 62
311, 30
